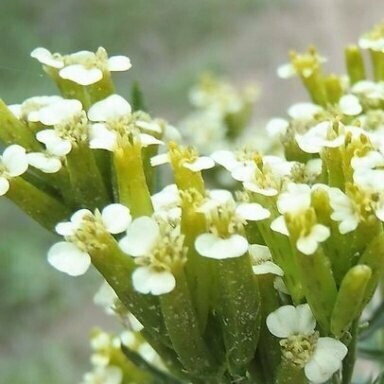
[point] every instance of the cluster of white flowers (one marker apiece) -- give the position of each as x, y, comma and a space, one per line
282, 216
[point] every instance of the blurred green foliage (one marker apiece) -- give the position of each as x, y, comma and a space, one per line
169, 42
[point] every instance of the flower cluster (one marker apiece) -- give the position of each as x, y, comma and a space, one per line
207, 280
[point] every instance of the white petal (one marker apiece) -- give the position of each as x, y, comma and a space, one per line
141, 236
105, 297
252, 212
65, 228
297, 198
46, 164
277, 126
259, 252
350, 105
112, 107
100, 137
267, 267
119, 63
53, 142
146, 140
214, 247
148, 280
149, 126
59, 111
326, 360
46, 57
220, 196
286, 71
80, 74
15, 160
160, 159
225, 158
304, 111
67, 258
202, 162
278, 225
4, 186
116, 218
288, 320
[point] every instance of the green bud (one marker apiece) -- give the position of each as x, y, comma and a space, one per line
350, 299
355, 64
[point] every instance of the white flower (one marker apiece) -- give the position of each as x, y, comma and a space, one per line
70, 256
13, 163
344, 211
262, 260
142, 238
87, 68
195, 165
316, 138
304, 111
215, 247
350, 105
296, 325
111, 111
308, 243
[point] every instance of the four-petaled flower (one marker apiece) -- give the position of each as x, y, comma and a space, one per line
320, 357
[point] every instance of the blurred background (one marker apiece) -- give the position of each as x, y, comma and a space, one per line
45, 317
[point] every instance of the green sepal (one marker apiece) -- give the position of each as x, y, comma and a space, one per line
131, 185
288, 373
239, 310
350, 299
355, 64
184, 331
268, 355
319, 286
40, 206
333, 88
87, 185
15, 131
315, 87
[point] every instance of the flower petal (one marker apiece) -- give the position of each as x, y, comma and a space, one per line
46, 164
202, 162
100, 137
252, 212
45, 57
4, 186
119, 63
214, 247
326, 360
15, 160
67, 258
116, 218
148, 280
141, 236
80, 74
112, 107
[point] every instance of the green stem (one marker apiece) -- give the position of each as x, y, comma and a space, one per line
290, 374
350, 359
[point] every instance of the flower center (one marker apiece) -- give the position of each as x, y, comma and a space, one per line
298, 349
